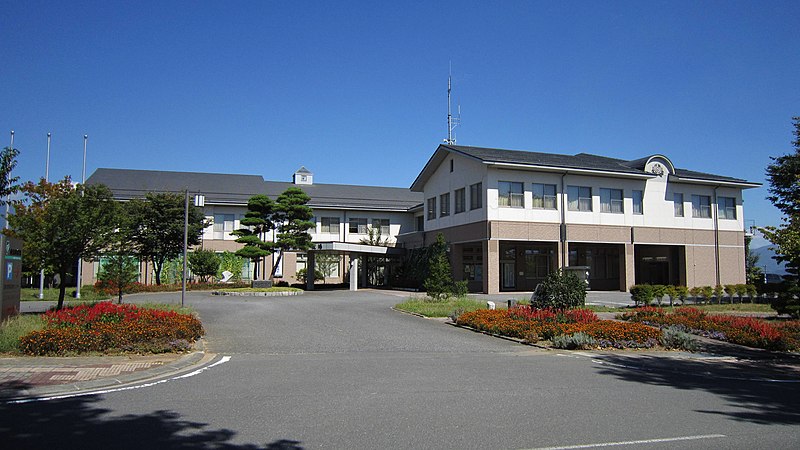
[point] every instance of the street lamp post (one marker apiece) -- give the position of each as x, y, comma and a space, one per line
46, 178
83, 181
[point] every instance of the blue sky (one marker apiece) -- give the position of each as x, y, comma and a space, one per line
356, 91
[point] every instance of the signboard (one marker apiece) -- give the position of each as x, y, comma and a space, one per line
11, 264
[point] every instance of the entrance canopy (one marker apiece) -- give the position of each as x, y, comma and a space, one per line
346, 247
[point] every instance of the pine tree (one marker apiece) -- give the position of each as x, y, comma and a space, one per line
439, 283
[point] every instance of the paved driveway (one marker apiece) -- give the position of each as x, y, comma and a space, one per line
342, 370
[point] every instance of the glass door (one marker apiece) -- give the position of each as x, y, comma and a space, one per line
509, 275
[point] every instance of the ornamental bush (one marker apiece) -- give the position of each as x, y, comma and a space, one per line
560, 290
575, 341
104, 327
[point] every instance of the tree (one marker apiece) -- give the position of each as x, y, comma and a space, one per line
783, 175
8, 183
60, 224
203, 263
564, 290
256, 222
439, 283
753, 273
784, 180
155, 227
119, 271
326, 264
293, 218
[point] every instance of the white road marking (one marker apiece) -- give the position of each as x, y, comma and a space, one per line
641, 441
222, 360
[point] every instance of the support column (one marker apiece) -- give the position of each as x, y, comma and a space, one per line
491, 267
310, 269
353, 273
627, 270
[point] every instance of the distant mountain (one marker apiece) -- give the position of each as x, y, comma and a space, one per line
765, 259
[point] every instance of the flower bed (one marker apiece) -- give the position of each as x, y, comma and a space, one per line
748, 331
534, 325
105, 327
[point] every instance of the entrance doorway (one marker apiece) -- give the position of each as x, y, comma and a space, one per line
523, 265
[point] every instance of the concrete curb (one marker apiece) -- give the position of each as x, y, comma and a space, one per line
257, 294
190, 361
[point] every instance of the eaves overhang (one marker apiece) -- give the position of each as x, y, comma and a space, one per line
721, 183
568, 170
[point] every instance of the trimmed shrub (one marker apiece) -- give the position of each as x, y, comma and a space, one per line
642, 293
575, 341
560, 290
674, 337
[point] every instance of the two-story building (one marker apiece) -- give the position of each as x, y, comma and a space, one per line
510, 218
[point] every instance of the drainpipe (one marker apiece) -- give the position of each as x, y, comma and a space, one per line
563, 226
716, 236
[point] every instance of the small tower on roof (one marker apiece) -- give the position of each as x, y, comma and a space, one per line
303, 176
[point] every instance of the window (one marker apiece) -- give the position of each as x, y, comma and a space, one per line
431, 208
510, 194
223, 224
476, 196
382, 225
611, 201
579, 198
357, 226
677, 199
420, 223
444, 204
701, 206
727, 207
461, 200
544, 196
330, 225
451, 165
638, 202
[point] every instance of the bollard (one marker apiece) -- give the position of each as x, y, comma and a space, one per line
512, 303
491, 305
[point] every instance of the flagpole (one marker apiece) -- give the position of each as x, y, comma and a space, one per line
83, 181
46, 178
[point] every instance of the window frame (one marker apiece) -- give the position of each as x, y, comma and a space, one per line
540, 194
637, 197
329, 225
444, 205
359, 224
379, 224
476, 196
679, 211
574, 196
431, 213
699, 208
511, 196
609, 203
726, 211
460, 199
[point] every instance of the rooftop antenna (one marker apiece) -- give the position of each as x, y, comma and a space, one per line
452, 122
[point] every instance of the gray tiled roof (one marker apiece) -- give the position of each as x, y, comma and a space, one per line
585, 161
237, 189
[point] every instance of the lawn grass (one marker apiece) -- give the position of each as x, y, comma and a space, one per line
440, 308
51, 294
15, 327
167, 307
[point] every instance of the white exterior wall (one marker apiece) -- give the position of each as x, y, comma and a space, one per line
466, 172
399, 222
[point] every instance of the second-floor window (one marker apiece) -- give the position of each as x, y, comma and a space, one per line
701, 206
638, 202
510, 194
476, 196
544, 196
677, 199
382, 225
579, 198
431, 208
444, 205
611, 201
727, 207
329, 225
357, 226
223, 224
461, 200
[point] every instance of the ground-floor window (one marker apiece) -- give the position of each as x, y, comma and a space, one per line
472, 256
603, 261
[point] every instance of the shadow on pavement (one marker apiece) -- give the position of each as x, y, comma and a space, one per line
758, 391
77, 423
